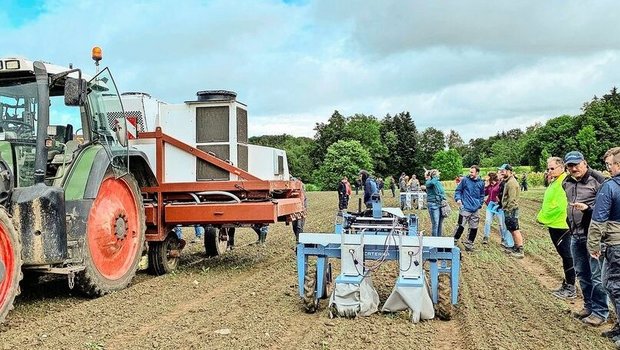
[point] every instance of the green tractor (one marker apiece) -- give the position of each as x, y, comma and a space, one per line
70, 200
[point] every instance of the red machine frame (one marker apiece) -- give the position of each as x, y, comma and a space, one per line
262, 201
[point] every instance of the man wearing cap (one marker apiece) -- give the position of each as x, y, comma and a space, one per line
469, 195
510, 205
581, 188
605, 230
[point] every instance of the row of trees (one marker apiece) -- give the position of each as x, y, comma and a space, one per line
592, 132
387, 147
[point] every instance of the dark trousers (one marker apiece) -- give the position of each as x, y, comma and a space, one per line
561, 241
611, 276
343, 201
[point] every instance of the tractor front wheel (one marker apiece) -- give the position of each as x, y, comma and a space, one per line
10, 264
114, 236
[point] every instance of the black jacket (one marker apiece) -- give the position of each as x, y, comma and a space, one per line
581, 191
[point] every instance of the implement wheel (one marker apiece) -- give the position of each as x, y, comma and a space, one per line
216, 240
164, 256
444, 308
309, 300
114, 237
10, 264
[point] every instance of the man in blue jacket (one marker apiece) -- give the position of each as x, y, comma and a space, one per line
469, 195
605, 232
370, 188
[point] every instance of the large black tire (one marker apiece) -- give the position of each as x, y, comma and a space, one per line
444, 308
309, 300
216, 240
10, 264
327, 281
123, 207
164, 256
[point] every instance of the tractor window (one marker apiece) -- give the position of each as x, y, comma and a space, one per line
63, 116
106, 110
18, 111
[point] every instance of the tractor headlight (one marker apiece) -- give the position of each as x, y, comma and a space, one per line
52, 130
12, 64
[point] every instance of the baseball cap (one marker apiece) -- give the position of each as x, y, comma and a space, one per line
574, 157
505, 167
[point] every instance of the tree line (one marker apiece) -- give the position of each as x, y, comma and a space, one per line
393, 144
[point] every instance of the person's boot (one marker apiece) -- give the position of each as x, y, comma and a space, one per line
567, 292
593, 320
517, 252
561, 287
508, 250
485, 240
582, 313
469, 245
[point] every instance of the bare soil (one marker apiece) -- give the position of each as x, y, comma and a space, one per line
247, 299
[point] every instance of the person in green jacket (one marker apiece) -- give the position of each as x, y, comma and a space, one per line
553, 215
510, 205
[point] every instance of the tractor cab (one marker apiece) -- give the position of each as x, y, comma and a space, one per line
48, 114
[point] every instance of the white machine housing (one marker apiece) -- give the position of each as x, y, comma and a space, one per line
216, 122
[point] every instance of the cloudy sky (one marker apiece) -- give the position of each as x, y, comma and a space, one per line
475, 66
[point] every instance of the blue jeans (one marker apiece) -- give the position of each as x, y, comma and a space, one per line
492, 212
436, 219
198, 230
178, 231
589, 274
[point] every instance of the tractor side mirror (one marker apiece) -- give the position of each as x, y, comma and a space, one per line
74, 90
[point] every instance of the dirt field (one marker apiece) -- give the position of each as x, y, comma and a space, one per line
248, 299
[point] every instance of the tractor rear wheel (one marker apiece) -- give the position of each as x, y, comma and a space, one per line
444, 308
114, 236
10, 264
216, 240
164, 256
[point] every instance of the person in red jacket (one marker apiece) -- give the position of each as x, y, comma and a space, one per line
492, 190
344, 193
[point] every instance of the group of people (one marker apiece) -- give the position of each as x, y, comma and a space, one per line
369, 184
408, 184
500, 193
581, 210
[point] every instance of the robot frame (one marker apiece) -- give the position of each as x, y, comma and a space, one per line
379, 235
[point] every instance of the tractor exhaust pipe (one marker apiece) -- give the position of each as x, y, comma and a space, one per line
40, 160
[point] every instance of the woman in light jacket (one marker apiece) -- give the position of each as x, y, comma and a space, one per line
553, 215
434, 195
